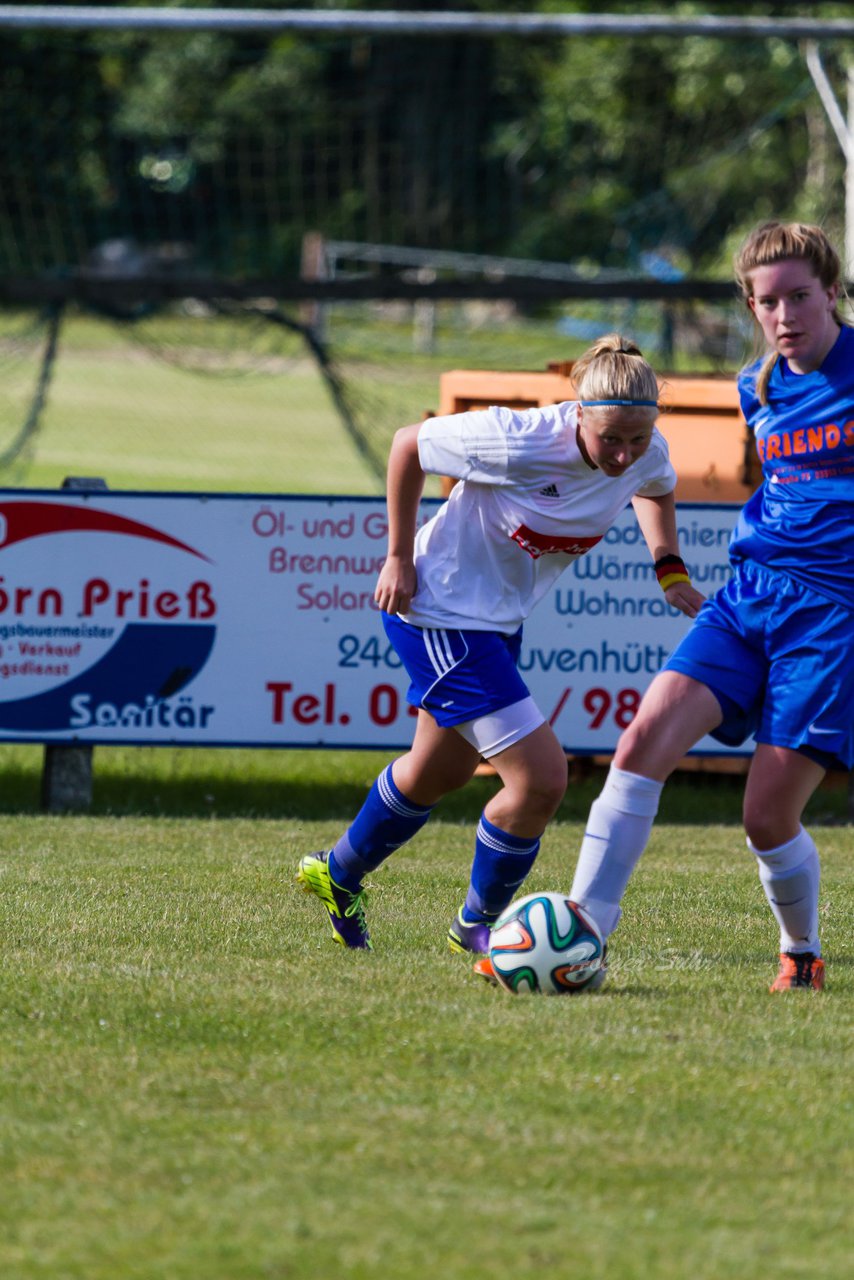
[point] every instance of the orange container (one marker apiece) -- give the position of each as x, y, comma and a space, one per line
710, 446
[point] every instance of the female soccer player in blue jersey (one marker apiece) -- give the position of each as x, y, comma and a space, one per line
771, 652
536, 490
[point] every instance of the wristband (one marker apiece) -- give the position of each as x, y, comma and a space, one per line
669, 570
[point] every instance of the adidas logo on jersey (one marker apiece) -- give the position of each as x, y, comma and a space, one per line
550, 491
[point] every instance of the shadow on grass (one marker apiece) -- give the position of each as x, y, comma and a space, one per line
331, 785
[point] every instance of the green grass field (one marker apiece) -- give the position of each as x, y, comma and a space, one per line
196, 1082
182, 403
175, 436
214, 405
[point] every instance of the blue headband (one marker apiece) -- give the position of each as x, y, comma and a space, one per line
629, 404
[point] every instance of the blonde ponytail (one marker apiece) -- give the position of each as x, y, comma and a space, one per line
613, 368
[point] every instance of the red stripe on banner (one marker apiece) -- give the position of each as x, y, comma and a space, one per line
22, 520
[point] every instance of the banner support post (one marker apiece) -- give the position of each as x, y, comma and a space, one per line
67, 771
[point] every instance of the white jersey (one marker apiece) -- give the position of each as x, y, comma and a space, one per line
528, 506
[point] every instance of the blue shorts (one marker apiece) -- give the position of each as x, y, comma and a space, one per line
458, 675
778, 657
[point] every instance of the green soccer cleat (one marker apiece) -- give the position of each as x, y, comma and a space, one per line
346, 910
468, 938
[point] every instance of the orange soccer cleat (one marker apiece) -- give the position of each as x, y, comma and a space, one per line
483, 968
799, 969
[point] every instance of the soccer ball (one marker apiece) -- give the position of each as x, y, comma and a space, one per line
546, 943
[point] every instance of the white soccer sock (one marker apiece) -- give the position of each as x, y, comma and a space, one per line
790, 876
617, 833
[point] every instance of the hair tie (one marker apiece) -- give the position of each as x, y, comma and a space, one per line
652, 404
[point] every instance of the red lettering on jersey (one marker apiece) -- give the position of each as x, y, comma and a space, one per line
546, 544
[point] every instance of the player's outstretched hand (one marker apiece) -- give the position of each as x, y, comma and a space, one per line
685, 598
395, 585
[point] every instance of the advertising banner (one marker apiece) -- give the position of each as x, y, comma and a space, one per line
248, 620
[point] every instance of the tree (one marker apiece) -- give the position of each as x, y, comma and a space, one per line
228, 148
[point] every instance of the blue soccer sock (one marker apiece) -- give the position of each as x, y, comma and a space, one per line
385, 821
501, 863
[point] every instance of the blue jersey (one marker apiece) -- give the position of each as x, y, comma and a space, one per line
801, 520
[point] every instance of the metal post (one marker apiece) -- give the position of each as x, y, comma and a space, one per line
67, 770
843, 127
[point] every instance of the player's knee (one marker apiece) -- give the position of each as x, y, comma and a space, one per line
427, 782
768, 822
545, 789
649, 748
767, 830
634, 747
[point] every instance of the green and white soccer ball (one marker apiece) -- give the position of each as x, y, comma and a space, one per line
545, 943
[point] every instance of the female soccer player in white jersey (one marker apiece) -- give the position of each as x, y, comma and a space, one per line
537, 489
771, 652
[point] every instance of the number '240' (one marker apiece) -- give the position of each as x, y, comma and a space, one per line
355, 653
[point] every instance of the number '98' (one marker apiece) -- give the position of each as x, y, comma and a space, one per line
599, 702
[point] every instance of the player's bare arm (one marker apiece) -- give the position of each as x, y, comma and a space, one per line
405, 484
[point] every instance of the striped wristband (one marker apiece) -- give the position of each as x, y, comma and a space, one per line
669, 570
